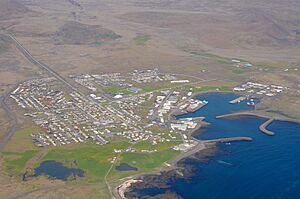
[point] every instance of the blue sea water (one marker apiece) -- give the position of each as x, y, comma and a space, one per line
266, 168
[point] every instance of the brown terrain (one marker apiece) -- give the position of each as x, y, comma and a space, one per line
183, 36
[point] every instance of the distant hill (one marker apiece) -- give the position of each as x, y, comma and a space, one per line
76, 33
11, 9
225, 24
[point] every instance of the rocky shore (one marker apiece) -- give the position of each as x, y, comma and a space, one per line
177, 167
129, 189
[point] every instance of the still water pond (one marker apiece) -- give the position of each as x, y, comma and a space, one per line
57, 170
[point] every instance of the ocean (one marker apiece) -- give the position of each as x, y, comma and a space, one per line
266, 168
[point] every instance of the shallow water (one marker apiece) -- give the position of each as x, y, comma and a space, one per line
57, 170
267, 167
125, 167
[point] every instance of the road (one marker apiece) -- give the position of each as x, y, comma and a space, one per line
155, 112
43, 66
11, 118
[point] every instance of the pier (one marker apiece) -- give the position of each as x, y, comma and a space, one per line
237, 100
263, 127
229, 139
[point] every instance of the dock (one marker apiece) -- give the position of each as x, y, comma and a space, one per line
237, 100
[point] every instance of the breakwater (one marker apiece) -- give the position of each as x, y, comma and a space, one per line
232, 139
263, 127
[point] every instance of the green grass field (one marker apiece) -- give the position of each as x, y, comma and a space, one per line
117, 90
144, 145
113, 89
14, 162
144, 162
93, 159
239, 71
21, 141
162, 85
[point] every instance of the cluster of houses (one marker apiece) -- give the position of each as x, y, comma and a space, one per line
148, 76
164, 103
192, 105
184, 125
253, 88
58, 118
169, 103
185, 146
93, 81
238, 63
68, 116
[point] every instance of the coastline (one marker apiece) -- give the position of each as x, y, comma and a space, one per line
120, 190
202, 145
172, 165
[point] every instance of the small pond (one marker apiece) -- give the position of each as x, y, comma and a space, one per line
125, 167
57, 170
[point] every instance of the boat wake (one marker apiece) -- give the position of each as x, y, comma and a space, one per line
224, 163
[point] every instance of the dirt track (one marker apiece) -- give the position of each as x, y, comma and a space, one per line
11, 118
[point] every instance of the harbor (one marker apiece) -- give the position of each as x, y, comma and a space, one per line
237, 100
239, 143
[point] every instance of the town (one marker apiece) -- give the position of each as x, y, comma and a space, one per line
259, 89
117, 105
112, 106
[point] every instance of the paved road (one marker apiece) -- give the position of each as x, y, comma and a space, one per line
50, 71
11, 116
155, 112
